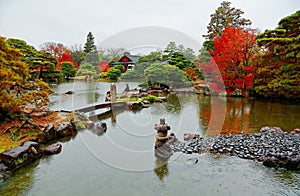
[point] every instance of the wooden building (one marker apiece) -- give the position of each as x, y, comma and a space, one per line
128, 62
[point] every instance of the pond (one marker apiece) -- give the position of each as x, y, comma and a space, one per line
122, 161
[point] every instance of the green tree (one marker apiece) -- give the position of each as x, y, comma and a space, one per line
90, 46
179, 60
143, 65
18, 90
151, 58
46, 67
77, 54
138, 71
225, 16
278, 74
87, 69
206, 52
171, 47
93, 58
113, 73
42, 64
189, 54
180, 48
167, 74
29, 52
91, 52
178, 56
119, 67
68, 69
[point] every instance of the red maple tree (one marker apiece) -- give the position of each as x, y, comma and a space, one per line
233, 53
212, 76
65, 57
104, 66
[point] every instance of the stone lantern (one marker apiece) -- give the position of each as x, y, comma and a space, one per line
162, 132
162, 148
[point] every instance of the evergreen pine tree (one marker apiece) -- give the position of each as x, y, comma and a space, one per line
91, 52
90, 46
225, 16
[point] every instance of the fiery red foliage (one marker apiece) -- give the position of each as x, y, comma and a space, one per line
66, 57
104, 66
232, 55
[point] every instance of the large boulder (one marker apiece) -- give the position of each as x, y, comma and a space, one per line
65, 129
53, 149
16, 157
48, 134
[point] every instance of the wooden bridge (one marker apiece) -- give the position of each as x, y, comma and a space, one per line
97, 106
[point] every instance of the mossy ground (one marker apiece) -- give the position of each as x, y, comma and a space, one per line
16, 132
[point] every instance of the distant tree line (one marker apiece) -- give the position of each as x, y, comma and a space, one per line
234, 58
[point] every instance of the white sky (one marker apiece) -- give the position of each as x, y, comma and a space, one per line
69, 21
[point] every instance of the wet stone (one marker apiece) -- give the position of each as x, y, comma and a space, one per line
65, 129
273, 147
15, 157
53, 149
17, 151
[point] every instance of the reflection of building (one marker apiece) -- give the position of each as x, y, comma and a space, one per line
128, 62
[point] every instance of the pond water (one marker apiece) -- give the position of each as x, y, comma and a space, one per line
121, 161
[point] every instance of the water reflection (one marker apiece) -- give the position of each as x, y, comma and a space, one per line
134, 132
173, 104
98, 132
222, 116
161, 168
20, 180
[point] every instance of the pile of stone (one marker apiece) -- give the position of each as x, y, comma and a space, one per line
272, 147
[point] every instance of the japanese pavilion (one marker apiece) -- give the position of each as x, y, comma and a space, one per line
128, 62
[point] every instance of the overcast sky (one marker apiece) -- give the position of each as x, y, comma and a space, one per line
69, 21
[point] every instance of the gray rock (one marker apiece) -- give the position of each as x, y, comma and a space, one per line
53, 149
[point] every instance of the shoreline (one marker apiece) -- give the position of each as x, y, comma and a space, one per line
273, 147
65, 125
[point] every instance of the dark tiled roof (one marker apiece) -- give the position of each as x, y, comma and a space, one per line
133, 58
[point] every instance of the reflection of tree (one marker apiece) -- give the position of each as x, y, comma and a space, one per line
161, 169
212, 114
266, 113
221, 119
92, 97
173, 104
19, 181
237, 118
204, 110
